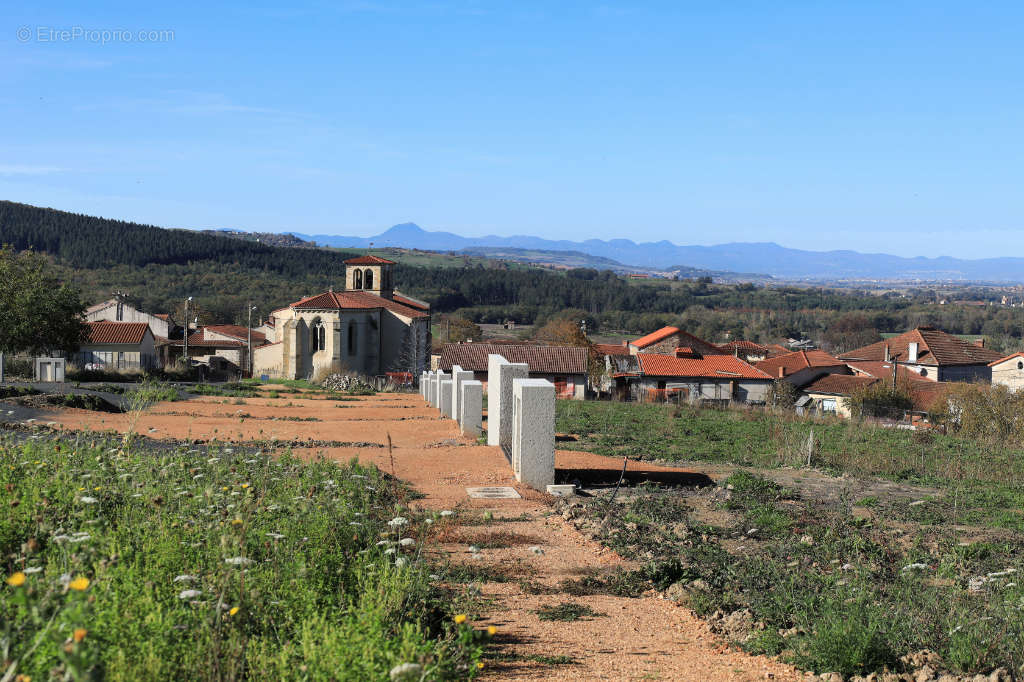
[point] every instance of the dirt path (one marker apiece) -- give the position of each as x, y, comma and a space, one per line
633, 639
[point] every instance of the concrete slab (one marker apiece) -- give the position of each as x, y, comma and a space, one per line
493, 493
500, 375
471, 406
533, 432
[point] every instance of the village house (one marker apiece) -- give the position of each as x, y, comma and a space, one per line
563, 366
802, 367
116, 310
830, 393
369, 328
670, 341
932, 354
1009, 371
117, 346
687, 377
751, 352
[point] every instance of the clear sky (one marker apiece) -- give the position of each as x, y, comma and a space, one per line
877, 126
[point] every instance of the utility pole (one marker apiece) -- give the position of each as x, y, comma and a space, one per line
248, 328
187, 363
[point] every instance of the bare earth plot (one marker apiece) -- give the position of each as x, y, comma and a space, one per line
630, 638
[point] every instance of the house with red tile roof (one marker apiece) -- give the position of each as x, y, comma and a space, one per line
802, 367
117, 346
692, 377
118, 310
368, 328
1009, 371
666, 340
564, 366
933, 354
829, 392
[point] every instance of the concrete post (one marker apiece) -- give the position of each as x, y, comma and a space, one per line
445, 401
471, 407
423, 384
500, 375
458, 376
437, 388
533, 432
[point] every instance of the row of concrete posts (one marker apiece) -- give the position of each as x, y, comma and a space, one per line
520, 414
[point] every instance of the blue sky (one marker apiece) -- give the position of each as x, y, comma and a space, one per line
886, 127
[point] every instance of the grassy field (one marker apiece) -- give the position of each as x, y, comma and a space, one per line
222, 563
854, 585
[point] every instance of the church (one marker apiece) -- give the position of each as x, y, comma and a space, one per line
370, 328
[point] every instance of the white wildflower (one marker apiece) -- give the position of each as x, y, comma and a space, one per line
407, 542
238, 561
390, 550
474, 549
189, 594
536, 550
400, 562
447, 512
80, 538
428, 521
398, 522
184, 578
32, 569
85, 499
915, 567
276, 536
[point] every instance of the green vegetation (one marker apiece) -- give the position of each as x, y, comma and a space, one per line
212, 564
81, 401
153, 392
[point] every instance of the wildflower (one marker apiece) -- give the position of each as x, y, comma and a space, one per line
913, 567
398, 522
491, 630
276, 536
79, 634
85, 499
79, 584
238, 561
16, 580
474, 549
480, 665
33, 569
244, 486
233, 611
407, 542
537, 550
184, 579
236, 522
401, 562
460, 619
428, 521
189, 594
406, 671
447, 512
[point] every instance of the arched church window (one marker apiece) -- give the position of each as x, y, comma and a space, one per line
317, 336
357, 279
369, 278
351, 338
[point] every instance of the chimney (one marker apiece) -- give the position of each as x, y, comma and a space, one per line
912, 351
980, 343
888, 357
782, 372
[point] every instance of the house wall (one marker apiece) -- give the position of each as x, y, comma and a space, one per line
123, 355
982, 373
706, 388
1008, 374
268, 360
842, 407
666, 346
157, 326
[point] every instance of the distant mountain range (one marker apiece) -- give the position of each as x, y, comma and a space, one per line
767, 257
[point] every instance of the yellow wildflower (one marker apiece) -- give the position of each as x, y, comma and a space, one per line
245, 485
224, 488
79, 634
79, 584
233, 611
97, 488
81, 489
460, 619
236, 522
491, 630
16, 580
480, 665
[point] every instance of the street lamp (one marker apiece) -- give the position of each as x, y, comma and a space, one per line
186, 334
248, 328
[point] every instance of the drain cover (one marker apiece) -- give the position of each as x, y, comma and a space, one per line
494, 493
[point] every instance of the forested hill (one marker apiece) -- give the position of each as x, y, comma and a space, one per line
83, 241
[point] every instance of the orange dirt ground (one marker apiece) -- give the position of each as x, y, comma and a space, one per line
644, 638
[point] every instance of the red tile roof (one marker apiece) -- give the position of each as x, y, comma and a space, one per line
611, 349
714, 366
355, 300
541, 359
1008, 357
742, 345
794, 362
237, 331
411, 302
117, 332
685, 339
199, 340
934, 347
883, 370
369, 260
838, 384
163, 316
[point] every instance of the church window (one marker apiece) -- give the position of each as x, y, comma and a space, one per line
120, 312
369, 278
317, 336
351, 338
357, 279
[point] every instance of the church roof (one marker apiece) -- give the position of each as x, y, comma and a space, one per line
369, 260
355, 300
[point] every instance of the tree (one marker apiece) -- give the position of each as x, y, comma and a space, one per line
853, 330
38, 313
563, 333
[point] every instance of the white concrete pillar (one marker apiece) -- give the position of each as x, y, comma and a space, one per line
423, 384
533, 432
458, 376
437, 388
500, 374
445, 398
471, 402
